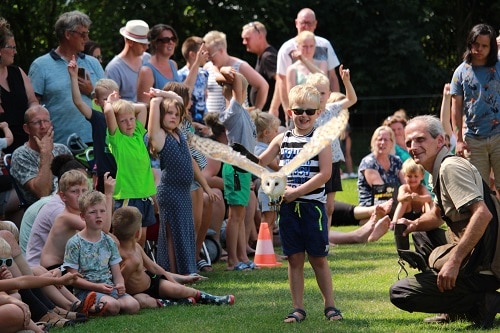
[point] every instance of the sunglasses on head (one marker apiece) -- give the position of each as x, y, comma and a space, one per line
309, 112
166, 40
7, 261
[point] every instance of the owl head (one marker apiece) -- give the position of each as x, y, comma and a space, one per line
273, 184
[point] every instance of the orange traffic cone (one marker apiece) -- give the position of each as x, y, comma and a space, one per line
264, 253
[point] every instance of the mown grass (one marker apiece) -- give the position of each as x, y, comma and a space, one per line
362, 275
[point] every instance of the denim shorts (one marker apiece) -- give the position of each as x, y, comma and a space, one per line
145, 206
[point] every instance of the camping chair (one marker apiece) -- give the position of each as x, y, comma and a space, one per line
23, 204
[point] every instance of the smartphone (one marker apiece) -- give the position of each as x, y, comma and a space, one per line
81, 73
402, 242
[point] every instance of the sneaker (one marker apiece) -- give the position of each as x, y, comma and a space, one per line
353, 175
344, 176
172, 302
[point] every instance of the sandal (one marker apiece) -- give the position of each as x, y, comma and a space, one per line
294, 314
100, 310
71, 315
203, 266
333, 314
54, 320
85, 305
43, 325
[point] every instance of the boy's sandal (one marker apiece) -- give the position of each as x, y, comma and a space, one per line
100, 310
298, 315
333, 314
60, 322
85, 305
71, 315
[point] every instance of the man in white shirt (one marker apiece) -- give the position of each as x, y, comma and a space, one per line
306, 20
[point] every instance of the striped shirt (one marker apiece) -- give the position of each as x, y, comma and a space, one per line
290, 146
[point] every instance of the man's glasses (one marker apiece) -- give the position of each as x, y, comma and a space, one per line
166, 40
253, 25
309, 112
6, 261
12, 47
83, 34
39, 123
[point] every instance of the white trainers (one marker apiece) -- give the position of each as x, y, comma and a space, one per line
352, 175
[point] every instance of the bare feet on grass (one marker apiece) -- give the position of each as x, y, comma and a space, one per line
380, 229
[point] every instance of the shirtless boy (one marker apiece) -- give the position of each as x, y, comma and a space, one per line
148, 282
72, 185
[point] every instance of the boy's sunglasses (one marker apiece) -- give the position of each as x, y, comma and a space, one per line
166, 40
8, 262
309, 112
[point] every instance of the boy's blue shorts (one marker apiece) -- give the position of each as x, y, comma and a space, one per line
303, 228
145, 206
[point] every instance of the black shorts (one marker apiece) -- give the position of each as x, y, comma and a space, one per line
334, 184
154, 287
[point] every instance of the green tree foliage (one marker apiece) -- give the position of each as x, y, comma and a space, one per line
393, 47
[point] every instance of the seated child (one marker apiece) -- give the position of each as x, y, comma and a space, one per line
413, 197
94, 254
72, 185
147, 281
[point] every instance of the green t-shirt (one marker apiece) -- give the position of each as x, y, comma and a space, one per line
134, 178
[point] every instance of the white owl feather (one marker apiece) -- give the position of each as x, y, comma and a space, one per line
274, 183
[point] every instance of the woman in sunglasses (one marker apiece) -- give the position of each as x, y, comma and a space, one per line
160, 69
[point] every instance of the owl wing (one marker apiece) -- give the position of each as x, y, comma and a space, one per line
226, 154
322, 137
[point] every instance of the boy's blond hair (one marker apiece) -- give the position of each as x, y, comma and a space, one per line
303, 93
126, 221
72, 178
5, 248
316, 79
122, 106
303, 36
215, 39
409, 167
105, 86
227, 89
265, 120
90, 198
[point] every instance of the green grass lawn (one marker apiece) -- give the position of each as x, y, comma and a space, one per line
362, 275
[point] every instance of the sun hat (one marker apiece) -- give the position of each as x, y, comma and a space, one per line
136, 30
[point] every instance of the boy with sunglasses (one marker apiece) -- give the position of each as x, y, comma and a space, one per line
303, 220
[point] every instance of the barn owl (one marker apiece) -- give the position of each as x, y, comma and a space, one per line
274, 183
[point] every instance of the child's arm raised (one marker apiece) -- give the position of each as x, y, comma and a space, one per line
109, 112
350, 94
141, 112
84, 109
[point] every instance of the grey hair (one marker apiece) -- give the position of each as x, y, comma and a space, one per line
69, 21
434, 126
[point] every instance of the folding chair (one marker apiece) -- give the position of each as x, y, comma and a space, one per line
23, 204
